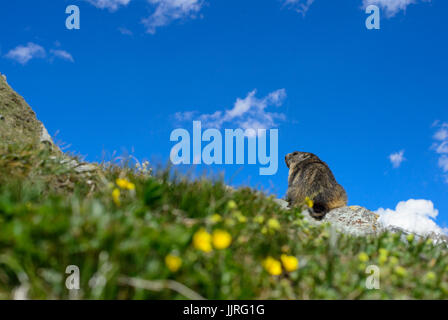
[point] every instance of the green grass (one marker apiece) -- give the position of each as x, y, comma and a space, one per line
52, 217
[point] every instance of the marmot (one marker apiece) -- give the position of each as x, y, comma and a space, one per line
311, 177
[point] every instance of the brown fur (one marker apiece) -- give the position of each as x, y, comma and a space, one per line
311, 177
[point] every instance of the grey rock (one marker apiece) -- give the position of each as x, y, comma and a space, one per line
437, 238
85, 167
282, 203
359, 221
45, 136
354, 220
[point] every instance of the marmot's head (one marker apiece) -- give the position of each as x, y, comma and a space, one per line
297, 157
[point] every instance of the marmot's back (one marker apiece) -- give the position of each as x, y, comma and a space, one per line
311, 177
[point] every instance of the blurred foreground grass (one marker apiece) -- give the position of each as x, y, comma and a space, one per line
136, 235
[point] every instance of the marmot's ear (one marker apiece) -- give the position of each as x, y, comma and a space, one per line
286, 161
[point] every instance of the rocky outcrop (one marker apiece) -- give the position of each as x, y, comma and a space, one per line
18, 122
359, 221
354, 220
19, 125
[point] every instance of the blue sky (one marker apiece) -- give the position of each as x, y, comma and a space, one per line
357, 98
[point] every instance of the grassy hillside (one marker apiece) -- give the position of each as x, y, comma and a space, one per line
134, 235
18, 121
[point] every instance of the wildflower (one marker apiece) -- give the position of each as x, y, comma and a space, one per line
273, 224
229, 222
173, 262
290, 263
221, 239
202, 240
116, 196
259, 219
215, 218
309, 202
362, 267
125, 184
410, 237
444, 288
240, 217
231, 205
430, 276
400, 271
383, 256
393, 261
272, 266
363, 257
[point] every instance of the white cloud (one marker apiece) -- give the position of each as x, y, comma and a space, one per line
397, 158
416, 216
184, 116
24, 53
125, 31
300, 6
443, 163
62, 54
443, 147
442, 131
440, 146
247, 113
167, 11
112, 5
392, 7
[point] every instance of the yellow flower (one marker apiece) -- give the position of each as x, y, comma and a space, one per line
400, 271
221, 239
259, 219
273, 224
202, 240
116, 196
125, 184
363, 257
383, 256
290, 263
240, 217
393, 261
430, 276
173, 262
231, 205
229, 222
215, 218
272, 266
309, 202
